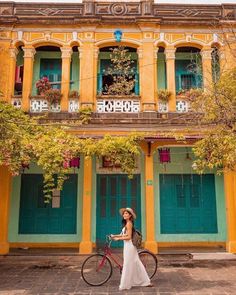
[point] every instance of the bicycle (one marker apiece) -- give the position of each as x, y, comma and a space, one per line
97, 269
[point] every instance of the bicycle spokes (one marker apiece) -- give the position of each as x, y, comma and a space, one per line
96, 270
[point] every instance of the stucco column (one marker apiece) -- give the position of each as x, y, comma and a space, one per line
5, 190
87, 74
170, 76
65, 77
206, 67
86, 242
95, 73
29, 53
230, 195
147, 76
155, 73
150, 242
12, 72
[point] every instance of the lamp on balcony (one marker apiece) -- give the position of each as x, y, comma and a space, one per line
118, 35
164, 155
75, 163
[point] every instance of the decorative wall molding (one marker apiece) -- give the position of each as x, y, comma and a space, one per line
121, 11
66, 52
118, 106
170, 53
29, 52
206, 53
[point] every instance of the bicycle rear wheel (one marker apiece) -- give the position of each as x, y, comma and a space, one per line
149, 261
96, 270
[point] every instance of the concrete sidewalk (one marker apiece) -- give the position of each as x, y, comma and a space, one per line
60, 274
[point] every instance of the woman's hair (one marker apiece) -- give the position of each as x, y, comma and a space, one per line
123, 221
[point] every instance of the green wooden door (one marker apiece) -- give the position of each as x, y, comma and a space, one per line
188, 203
36, 217
115, 192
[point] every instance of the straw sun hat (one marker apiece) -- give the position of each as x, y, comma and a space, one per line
130, 210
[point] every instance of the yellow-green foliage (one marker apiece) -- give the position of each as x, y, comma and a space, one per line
122, 71
23, 140
218, 107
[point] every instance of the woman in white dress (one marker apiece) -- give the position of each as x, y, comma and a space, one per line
133, 272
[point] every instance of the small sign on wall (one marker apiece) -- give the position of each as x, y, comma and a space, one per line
149, 182
56, 199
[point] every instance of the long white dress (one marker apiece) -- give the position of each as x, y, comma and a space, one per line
134, 272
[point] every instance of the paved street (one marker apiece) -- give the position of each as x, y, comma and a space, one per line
61, 275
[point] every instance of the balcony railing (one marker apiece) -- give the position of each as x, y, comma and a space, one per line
16, 101
73, 105
182, 106
108, 104
104, 105
40, 105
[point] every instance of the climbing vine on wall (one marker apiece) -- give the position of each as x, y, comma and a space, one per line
23, 140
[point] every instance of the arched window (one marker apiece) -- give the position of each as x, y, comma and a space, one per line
188, 68
47, 63
161, 68
19, 72
108, 72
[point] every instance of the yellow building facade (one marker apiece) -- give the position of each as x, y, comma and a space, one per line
69, 43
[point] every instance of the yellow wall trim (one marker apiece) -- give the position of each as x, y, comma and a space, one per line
191, 244
44, 245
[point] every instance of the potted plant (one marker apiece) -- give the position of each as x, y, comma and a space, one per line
53, 96
85, 115
183, 92
43, 85
164, 95
73, 94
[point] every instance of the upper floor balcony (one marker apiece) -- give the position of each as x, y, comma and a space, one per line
88, 82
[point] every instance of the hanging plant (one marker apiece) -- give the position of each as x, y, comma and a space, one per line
43, 85
164, 95
53, 96
73, 94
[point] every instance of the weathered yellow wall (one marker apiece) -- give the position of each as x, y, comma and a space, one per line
5, 190
90, 39
4, 68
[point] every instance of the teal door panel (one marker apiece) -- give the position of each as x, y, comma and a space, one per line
115, 192
37, 217
188, 203
51, 68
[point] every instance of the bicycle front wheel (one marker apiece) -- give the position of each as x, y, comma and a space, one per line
96, 270
149, 261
